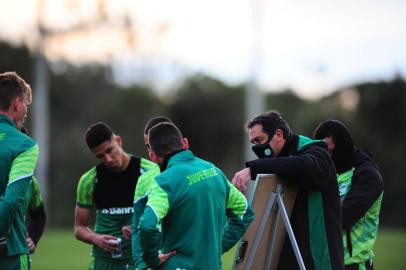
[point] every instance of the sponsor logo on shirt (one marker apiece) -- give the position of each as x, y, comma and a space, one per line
117, 210
344, 189
2, 136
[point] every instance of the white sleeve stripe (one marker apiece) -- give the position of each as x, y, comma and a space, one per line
20, 178
140, 198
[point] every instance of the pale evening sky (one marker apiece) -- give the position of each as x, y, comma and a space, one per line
312, 46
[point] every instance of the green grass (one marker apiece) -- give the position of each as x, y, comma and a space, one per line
390, 250
60, 250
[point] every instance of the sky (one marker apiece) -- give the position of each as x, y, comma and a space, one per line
311, 46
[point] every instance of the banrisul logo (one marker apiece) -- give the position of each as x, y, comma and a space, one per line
2, 135
117, 210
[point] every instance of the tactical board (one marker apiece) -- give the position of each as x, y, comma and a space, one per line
270, 243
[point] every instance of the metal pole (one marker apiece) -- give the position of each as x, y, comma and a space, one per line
261, 230
292, 238
41, 110
254, 103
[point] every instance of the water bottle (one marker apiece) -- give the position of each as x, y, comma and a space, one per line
3, 246
116, 254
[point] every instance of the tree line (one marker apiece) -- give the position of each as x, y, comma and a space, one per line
211, 114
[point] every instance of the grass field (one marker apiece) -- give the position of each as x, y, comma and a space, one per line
60, 250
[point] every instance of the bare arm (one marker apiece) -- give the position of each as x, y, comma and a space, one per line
85, 234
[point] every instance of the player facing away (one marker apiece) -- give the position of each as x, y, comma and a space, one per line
109, 189
189, 202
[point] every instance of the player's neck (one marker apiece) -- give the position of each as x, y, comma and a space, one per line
126, 161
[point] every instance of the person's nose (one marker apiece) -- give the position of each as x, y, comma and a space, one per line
108, 158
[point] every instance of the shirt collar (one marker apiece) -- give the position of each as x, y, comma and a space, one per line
7, 120
165, 162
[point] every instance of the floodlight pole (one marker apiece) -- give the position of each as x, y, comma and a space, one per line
41, 109
254, 102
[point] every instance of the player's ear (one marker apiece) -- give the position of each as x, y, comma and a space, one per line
279, 134
153, 156
185, 143
118, 140
15, 104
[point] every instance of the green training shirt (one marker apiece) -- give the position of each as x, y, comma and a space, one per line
364, 232
111, 194
18, 159
144, 186
190, 202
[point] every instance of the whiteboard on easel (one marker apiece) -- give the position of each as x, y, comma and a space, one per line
266, 254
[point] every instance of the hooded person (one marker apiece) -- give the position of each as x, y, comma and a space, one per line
361, 190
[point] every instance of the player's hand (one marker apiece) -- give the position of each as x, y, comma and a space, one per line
126, 232
31, 245
164, 257
103, 241
241, 178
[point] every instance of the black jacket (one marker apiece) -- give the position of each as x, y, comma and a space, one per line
366, 187
316, 215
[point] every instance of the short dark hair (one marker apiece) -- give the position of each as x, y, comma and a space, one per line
323, 130
97, 134
12, 86
270, 121
24, 130
154, 121
338, 130
165, 138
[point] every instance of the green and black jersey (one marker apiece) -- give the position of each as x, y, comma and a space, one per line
33, 199
189, 203
361, 192
111, 194
35, 212
316, 214
18, 159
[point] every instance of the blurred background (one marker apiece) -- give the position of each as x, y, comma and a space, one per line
208, 65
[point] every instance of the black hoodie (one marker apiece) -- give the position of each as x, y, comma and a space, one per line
366, 182
366, 187
312, 169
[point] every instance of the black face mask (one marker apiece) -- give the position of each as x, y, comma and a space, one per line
263, 150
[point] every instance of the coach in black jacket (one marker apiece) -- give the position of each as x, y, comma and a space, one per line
316, 215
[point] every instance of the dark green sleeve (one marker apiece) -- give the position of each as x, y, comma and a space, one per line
140, 200
139, 207
12, 200
150, 237
155, 211
20, 177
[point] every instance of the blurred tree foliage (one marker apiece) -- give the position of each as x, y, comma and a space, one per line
211, 114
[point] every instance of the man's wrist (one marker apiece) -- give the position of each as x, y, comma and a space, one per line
93, 238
